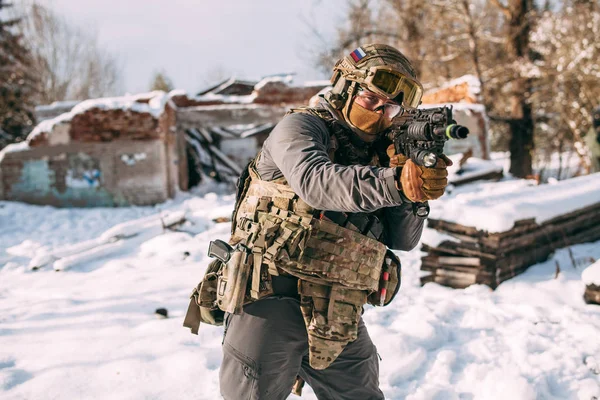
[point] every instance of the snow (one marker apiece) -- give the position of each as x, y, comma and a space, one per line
283, 78
591, 275
14, 147
473, 83
227, 98
472, 168
90, 331
154, 107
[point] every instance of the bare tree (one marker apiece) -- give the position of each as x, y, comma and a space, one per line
68, 60
358, 30
161, 81
569, 42
537, 67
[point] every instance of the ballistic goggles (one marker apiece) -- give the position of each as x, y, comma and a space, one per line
373, 102
387, 82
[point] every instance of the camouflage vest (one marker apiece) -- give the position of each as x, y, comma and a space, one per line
338, 267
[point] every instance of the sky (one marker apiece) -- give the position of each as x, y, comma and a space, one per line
198, 42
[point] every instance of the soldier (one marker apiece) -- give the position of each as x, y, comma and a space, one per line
315, 212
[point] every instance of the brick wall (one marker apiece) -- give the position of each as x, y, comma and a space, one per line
87, 174
101, 157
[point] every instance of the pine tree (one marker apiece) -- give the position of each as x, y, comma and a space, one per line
16, 82
161, 82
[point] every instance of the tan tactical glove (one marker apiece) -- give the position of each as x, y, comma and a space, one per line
420, 183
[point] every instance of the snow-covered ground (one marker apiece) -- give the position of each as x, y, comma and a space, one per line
90, 332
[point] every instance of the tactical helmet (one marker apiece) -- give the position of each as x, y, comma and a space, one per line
379, 68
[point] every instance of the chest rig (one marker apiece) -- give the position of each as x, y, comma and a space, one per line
338, 258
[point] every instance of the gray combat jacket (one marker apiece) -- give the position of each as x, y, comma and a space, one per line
297, 149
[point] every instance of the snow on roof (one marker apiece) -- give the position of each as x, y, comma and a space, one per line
494, 207
216, 89
591, 275
57, 105
14, 147
285, 78
457, 106
155, 106
226, 98
471, 80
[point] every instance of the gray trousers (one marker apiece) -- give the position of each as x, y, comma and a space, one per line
266, 347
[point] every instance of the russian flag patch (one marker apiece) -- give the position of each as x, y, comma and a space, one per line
358, 54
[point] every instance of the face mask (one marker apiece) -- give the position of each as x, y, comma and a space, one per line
369, 122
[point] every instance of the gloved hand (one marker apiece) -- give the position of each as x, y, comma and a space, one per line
420, 183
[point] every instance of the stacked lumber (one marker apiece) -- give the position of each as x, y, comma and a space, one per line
474, 256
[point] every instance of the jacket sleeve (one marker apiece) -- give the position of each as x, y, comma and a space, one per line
403, 229
297, 147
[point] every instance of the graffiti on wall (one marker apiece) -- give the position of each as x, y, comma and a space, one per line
83, 172
132, 159
68, 179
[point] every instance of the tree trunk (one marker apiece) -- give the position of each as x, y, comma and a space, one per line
521, 131
522, 124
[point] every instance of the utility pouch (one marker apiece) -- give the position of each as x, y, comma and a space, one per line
233, 281
203, 301
389, 283
331, 315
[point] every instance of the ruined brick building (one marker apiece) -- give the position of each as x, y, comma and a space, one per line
142, 149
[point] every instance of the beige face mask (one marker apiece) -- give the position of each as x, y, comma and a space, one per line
369, 122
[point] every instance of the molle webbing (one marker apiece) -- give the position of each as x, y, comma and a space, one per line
276, 221
345, 147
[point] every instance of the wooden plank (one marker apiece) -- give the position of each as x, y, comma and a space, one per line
453, 228
545, 234
471, 261
467, 276
228, 114
459, 249
465, 261
456, 283
463, 238
519, 227
561, 237
593, 209
426, 279
479, 273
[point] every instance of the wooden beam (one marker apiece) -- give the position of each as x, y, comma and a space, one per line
227, 115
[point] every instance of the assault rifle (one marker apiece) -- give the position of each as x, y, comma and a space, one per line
421, 137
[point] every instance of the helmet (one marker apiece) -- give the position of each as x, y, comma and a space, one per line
379, 68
